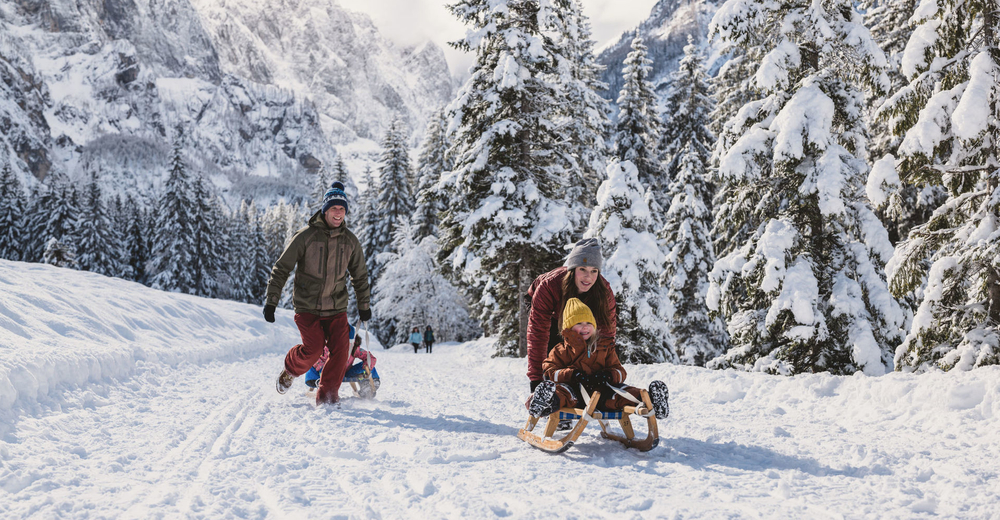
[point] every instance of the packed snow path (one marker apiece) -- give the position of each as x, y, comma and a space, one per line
212, 439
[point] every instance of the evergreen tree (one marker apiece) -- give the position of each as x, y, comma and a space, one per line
433, 161
394, 202
698, 337
953, 65
136, 243
686, 115
499, 233
52, 212
583, 114
12, 208
33, 223
209, 244
638, 128
413, 293
320, 186
59, 254
173, 248
806, 292
248, 262
365, 214
623, 222
98, 241
340, 174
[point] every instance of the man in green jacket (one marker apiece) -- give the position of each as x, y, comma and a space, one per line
322, 254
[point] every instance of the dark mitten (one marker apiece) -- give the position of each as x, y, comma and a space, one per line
603, 377
365, 314
579, 376
269, 313
534, 384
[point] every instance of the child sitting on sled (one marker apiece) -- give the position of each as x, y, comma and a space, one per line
355, 373
584, 358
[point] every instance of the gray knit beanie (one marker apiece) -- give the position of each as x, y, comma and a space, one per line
586, 252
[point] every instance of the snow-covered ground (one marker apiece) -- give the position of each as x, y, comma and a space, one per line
117, 401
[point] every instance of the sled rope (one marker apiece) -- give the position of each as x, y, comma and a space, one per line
368, 370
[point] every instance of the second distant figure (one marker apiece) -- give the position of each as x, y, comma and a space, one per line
429, 339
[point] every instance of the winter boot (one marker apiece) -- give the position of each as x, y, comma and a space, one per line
545, 401
658, 394
285, 381
366, 391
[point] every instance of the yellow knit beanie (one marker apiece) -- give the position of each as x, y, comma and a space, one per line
575, 312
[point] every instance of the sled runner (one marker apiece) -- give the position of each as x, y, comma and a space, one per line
584, 416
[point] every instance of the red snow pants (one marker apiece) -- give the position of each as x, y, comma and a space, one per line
316, 332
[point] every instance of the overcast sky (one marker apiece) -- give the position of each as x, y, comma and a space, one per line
413, 21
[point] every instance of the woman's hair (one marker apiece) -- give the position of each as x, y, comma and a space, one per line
596, 298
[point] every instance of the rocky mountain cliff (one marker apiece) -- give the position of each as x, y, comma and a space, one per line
256, 93
665, 33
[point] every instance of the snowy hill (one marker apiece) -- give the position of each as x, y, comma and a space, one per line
118, 401
256, 93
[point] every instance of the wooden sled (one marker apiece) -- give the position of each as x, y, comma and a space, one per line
583, 416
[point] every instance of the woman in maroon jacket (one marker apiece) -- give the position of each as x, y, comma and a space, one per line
579, 278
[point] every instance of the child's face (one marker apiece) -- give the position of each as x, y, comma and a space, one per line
584, 329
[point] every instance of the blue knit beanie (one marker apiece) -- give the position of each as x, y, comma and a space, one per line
335, 196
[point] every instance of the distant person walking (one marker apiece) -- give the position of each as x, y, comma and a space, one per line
429, 338
322, 255
415, 338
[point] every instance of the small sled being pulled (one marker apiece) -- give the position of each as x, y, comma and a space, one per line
583, 416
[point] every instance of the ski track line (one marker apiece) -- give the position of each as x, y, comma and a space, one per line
192, 457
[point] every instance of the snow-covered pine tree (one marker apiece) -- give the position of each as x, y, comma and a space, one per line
638, 129
173, 248
907, 205
33, 222
135, 242
259, 263
364, 216
99, 243
393, 200
320, 185
247, 257
210, 243
686, 116
507, 221
59, 254
806, 292
953, 63
340, 174
53, 212
583, 114
697, 336
12, 208
433, 161
412, 293
624, 224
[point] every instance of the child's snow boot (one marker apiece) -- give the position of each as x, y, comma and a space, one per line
545, 401
659, 394
284, 382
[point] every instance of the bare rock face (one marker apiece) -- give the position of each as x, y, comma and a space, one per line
24, 133
258, 93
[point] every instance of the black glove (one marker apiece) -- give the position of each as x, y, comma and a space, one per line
365, 314
269, 313
534, 384
603, 377
579, 376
